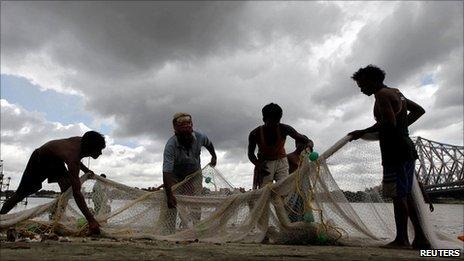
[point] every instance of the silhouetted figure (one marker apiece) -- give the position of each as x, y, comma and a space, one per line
50, 162
271, 162
398, 152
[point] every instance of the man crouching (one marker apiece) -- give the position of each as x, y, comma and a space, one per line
50, 161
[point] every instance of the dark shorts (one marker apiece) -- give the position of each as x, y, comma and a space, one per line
38, 169
397, 179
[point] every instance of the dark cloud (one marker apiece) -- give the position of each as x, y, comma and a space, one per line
450, 77
409, 41
121, 51
103, 39
414, 36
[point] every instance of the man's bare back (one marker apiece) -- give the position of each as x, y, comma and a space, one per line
388, 101
66, 150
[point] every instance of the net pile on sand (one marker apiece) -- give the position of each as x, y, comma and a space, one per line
308, 207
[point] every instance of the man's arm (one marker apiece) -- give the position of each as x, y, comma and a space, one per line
168, 182
387, 118
209, 146
415, 111
260, 168
251, 148
359, 133
85, 169
297, 136
79, 198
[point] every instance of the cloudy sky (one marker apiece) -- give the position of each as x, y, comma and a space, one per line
124, 68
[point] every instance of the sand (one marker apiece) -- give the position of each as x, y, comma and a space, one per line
110, 249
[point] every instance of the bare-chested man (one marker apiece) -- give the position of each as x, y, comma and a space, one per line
48, 162
398, 152
271, 163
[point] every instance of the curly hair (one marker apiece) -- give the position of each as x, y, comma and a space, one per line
93, 140
272, 111
370, 72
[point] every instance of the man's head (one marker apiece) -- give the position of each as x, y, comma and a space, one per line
182, 123
272, 113
183, 128
369, 79
92, 144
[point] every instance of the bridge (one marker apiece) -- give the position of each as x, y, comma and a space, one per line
4, 183
440, 168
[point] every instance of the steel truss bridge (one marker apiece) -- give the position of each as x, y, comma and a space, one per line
440, 168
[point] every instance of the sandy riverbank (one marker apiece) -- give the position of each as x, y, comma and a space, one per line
107, 249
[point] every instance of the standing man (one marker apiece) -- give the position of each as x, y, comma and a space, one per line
182, 155
398, 152
50, 162
271, 162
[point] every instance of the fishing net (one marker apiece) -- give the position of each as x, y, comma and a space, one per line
335, 199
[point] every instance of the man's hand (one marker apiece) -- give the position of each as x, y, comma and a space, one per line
91, 174
213, 162
94, 227
172, 202
356, 134
259, 173
261, 168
